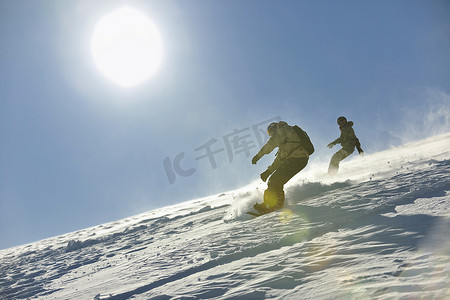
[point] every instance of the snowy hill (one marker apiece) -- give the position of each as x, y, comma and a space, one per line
378, 231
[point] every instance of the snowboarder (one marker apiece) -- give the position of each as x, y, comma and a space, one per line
294, 148
348, 141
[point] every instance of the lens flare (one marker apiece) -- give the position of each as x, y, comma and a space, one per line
286, 215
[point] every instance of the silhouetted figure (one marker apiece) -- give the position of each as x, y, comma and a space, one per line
348, 141
294, 148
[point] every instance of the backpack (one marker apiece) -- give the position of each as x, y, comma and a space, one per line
304, 139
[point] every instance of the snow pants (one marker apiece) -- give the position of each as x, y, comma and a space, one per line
274, 194
336, 159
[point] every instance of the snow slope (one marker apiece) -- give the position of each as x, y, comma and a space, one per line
378, 231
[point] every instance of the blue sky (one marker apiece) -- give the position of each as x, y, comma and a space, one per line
78, 150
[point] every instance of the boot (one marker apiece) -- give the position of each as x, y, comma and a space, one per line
261, 208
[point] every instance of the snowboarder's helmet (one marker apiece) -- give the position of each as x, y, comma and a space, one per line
341, 120
271, 128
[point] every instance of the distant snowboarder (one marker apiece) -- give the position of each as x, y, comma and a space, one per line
294, 148
348, 141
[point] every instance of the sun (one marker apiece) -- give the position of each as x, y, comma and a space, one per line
126, 47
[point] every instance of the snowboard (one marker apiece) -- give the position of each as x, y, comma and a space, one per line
255, 214
258, 214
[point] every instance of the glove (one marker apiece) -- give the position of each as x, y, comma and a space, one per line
264, 175
255, 159
330, 145
360, 151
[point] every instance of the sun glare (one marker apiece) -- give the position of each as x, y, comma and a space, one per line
126, 47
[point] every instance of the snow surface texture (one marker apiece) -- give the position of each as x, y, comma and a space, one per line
378, 231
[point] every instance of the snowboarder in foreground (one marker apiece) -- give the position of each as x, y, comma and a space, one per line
348, 141
294, 148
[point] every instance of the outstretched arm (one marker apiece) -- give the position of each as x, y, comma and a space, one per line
266, 149
336, 141
358, 147
256, 158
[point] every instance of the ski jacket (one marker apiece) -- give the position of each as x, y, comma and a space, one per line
288, 143
347, 139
